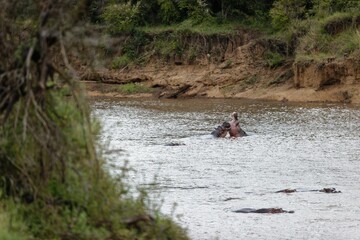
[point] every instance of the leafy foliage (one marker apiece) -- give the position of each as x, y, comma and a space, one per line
53, 178
121, 62
273, 59
121, 17
286, 10
169, 12
324, 8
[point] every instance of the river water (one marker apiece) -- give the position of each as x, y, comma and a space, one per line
302, 146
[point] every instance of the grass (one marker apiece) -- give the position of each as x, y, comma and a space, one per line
133, 88
318, 45
273, 59
346, 43
337, 22
333, 36
11, 228
212, 27
187, 26
121, 62
317, 57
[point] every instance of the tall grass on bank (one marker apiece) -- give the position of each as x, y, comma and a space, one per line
11, 228
212, 27
334, 36
205, 28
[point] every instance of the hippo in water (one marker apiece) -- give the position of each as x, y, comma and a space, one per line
325, 190
221, 131
262, 210
235, 129
173, 144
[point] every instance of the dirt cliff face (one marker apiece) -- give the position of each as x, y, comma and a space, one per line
330, 72
339, 77
242, 66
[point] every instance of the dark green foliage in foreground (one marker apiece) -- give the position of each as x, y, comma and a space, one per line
53, 183
70, 196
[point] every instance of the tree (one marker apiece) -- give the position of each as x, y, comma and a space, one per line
121, 17
325, 7
284, 11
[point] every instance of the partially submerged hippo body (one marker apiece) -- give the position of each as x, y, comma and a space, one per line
173, 144
242, 133
325, 190
221, 131
262, 210
218, 132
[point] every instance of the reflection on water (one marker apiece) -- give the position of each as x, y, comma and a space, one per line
290, 146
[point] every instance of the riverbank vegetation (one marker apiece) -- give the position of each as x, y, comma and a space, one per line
54, 182
311, 29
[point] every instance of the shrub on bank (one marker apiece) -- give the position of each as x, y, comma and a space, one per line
66, 193
121, 62
334, 36
121, 17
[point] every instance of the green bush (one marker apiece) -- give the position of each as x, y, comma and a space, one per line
121, 17
121, 62
285, 11
67, 193
200, 13
273, 59
167, 47
169, 11
54, 182
133, 49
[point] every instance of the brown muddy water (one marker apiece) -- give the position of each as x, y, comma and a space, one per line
303, 146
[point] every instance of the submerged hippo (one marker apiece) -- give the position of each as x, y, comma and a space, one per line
262, 210
173, 144
325, 190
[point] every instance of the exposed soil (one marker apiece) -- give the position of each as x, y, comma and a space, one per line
240, 72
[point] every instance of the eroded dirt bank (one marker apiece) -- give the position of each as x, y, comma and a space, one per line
238, 69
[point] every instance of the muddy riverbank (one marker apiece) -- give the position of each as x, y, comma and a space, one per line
244, 65
337, 81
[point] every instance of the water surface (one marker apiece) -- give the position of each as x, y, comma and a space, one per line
304, 146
